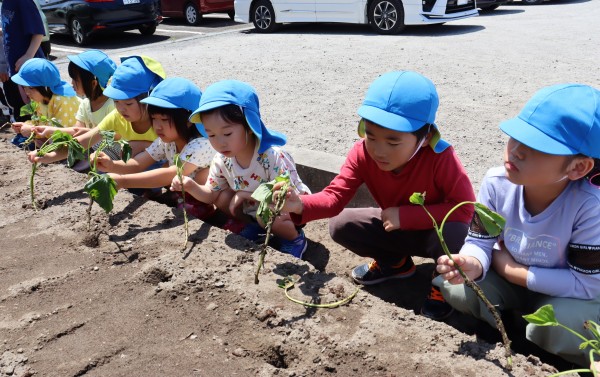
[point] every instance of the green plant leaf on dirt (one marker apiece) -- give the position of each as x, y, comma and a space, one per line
545, 316
289, 282
179, 165
493, 224
264, 195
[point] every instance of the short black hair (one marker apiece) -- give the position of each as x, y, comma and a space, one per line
230, 114
179, 117
45, 92
423, 131
85, 78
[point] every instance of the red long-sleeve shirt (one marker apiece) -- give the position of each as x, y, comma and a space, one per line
440, 175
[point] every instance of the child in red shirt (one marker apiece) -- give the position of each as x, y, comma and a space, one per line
401, 153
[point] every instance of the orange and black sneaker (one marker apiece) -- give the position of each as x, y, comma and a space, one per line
435, 307
373, 273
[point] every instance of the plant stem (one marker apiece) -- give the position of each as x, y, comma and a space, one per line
331, 305
89, 214
274, 213
31, 187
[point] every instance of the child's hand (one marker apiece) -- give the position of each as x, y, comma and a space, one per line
236, 202
292, 204
78, 131
470, 266
44, 131
45, 159
117, 178
103, 162
177, 186
22, 128
391, 218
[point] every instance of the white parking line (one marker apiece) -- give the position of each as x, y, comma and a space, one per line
181, 31
54, 48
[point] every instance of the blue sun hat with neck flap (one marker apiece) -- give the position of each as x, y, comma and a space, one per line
233, 92
96, 62
175, 93
41, 72
402, 101
135, 76
560, 120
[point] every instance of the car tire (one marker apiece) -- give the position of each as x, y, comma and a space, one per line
78, 32
46, 48
386, 16
263, 17
147, 29
532, 2
489, 8
192, 14
231, 14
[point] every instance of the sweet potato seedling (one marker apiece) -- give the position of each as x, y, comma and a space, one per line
544, 316
264, 195
493, 224
288, 283
56, 141
100, 186
179, 165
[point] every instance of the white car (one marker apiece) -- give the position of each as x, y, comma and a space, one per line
384, 16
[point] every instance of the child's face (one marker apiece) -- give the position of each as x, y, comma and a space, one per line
164, 128
78, 87
530, 167
390, 149
130, 109
229, 139
33, 94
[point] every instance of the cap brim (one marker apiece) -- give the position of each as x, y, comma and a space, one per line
17, 79
530, 136
78, 62
159, 102
196, 118
118, 94
389, 120
65, 90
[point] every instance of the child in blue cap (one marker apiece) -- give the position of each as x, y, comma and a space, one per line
548, 192
55, 98
170, 105
248, 154
400, 153
89, 72
131, 82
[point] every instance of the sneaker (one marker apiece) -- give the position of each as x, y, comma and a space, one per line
252, 232
373, 273
295, 247
435, 307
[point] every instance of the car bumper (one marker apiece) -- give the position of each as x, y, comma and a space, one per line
242, 11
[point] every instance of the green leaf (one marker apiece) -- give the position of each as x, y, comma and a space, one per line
102, 189
544, 316
492, 222
76, 152
417, 198
178, 161
108, 137
54, 122
28, 109
593, 328
126, 151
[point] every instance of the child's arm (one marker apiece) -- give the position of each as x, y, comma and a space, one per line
138, 163
87, 140
507, 267
146, 179
203, 193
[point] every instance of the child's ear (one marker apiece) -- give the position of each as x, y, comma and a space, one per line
580, 167
427, 139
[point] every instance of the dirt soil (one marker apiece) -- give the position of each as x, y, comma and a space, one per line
123, 300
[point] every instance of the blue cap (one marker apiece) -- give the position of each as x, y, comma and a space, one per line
232, 92
96, 62
41, 72
131, 79
561, 120
175, 93
402, 101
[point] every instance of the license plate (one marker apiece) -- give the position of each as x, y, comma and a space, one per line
125, 2
459, 2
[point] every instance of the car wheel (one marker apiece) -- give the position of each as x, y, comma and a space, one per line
263, 17
147, 29
533, 2
386, 16
46, 48
231, 14
78, 32
489, 8
192, 15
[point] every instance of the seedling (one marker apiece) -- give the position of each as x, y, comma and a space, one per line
58, 140
264, 195
544, 316
31, 110
179, 165
493, 224
288, 283
100, 186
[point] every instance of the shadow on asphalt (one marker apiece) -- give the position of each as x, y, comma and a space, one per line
111, 40
207, 22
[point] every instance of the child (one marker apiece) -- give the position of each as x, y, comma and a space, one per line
170, 105
401, 153
131, 82
41, 82
548, 252
248, 155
